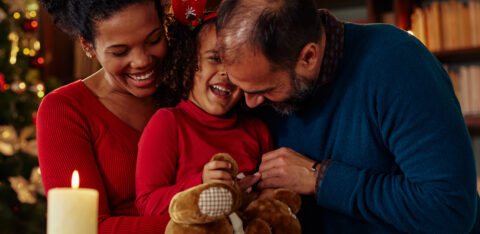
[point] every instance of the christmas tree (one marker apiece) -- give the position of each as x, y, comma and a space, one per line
22, 199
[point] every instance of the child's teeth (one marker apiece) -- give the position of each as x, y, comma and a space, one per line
221, 88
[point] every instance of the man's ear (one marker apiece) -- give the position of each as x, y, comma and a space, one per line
308, 60
87, 47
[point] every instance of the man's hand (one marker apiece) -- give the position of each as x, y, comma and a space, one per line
217, 171
285, 168
246, 182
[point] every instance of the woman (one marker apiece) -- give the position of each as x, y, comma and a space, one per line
93, 125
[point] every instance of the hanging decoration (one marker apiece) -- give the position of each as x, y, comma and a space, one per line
8, 140
24, 189
30, 25
32, 5
27, 141
34, 118
19, 87
13, 37
36, 179
11, 142
25, 14
15, 5
3, 84
37, 61
27, 190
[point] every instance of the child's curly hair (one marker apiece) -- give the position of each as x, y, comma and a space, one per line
181, 63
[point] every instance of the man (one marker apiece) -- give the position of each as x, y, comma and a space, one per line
370, 130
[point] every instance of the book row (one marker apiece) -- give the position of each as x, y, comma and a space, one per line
466, 81
447, 25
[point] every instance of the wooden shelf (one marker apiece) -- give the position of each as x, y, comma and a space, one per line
459, 55
473, 122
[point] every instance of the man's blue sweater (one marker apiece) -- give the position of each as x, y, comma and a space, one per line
390, 121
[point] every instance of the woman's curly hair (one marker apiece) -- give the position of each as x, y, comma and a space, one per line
78, 17
181, 63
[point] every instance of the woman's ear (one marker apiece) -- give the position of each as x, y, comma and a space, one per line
87, 47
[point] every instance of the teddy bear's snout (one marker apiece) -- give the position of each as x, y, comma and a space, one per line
215, 201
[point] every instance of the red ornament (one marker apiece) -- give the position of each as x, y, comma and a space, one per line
2, 83
195, 23
30, 25
34, 118
37, 61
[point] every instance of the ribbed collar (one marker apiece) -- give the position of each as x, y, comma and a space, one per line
198, 115
335, 37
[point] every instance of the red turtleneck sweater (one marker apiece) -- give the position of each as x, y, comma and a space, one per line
76, 132
178, 142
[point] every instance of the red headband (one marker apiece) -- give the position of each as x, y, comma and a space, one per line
190, 12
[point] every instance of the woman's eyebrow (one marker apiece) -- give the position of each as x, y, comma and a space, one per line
149, 35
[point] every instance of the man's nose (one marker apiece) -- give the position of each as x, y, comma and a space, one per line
253, 100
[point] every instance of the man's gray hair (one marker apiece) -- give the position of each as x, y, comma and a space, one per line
277, 28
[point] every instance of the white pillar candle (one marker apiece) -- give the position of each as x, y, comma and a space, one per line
72, 210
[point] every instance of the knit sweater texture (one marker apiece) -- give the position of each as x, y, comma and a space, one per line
76, 132
178, 142
389, 119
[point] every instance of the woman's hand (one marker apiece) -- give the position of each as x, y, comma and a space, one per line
217, 171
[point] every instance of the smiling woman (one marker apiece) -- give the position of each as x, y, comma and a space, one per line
130, 60
93, 125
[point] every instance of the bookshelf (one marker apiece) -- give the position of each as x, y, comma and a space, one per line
473, 123
451, 30
459, 55
402, 10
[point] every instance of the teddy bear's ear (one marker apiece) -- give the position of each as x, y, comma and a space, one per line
258, 226
227, 158
289, 197
203, 203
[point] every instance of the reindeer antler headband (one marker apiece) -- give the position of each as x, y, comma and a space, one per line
190, 12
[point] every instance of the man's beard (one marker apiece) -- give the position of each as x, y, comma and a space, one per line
302, 90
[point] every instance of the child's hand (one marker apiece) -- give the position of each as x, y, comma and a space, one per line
217, 171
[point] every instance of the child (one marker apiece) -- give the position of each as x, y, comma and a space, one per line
178, 143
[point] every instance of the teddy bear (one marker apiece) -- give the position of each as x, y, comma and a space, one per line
219, 208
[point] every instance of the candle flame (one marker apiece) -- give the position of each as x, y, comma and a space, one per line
75, 179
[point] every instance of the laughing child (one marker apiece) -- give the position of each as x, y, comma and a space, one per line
178, 143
